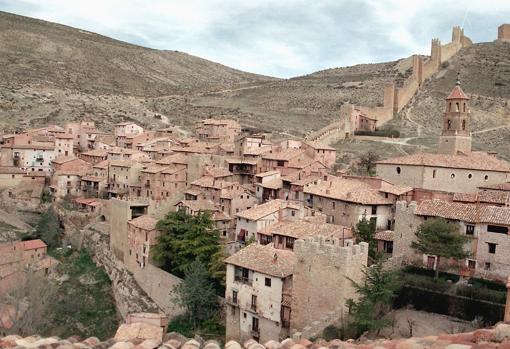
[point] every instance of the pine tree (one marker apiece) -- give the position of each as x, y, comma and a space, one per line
196, 294
375, 300
365, 232
440, 238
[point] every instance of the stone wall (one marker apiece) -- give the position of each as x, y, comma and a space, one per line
320, 282
129, 297
406, 223
504, 33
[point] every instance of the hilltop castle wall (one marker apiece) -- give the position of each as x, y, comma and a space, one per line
320, 282
396, 98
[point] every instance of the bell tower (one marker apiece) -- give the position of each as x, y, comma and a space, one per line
456, 135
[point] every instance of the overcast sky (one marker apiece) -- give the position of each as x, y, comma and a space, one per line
281, 38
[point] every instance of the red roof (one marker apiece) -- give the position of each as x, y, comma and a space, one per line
457, 93
33, 244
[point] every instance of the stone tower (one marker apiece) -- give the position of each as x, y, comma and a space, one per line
456, 136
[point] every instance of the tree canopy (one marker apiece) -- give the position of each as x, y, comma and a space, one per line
440, 238
375, 300
365, 232
184, 239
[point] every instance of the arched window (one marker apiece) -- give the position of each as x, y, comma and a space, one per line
470, 176
449, 124
464, 107
463, 124
399, 170
433, 173
452, 176
450, 106
457, 107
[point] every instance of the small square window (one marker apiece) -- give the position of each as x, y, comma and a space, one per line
487, 266
492, 248
268, 282
470, 229
471, 264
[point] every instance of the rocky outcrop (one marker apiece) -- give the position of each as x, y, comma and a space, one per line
128, 295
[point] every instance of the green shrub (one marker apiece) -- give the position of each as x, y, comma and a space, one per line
332, 332
481, 293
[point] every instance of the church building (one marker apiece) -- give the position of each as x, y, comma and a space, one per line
455, 167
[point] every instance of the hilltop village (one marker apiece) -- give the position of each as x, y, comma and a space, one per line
286, 216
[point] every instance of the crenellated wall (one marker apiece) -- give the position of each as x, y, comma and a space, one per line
321, 284
395, 98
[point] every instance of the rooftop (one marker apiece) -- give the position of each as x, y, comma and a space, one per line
474, 161
471, 213
264, 259
33, 244
260, 211
308, 227
349, 190
144, 222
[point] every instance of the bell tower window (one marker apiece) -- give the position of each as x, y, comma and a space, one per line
449, 124
463, 125
457, 107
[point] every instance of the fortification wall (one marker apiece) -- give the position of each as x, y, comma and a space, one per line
320, 282
406, 223
404, 94
158, 284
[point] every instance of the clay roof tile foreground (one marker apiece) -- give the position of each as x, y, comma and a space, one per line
472, 161
265, 259
144, 222
264, 209
145, 335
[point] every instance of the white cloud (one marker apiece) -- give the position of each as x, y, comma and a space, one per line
283, 38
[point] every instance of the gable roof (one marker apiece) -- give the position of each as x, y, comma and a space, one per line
473, 161
265, 259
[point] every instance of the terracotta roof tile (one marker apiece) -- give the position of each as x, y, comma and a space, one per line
265, 259
144, 222
473, 160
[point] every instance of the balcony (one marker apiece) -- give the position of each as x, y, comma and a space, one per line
243, 280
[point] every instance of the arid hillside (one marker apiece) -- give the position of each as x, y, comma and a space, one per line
484, 72
53, 73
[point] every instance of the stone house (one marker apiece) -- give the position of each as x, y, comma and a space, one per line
142, 235
126, 154
268, 185
271, 289
123, 129
243, 170
30, 157
64, 144
485, 226
279, 159
320, 152
346, 201
251, 221
122, 174
11, 176
258, 286
66, 183
232, 201
218, 131
94, 156
134, 140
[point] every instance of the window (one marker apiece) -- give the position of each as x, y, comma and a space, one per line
497, 229
470, 176
267, 282
374, 209
452, 176
289, 243
463, 124
234, 297
487, 266
255, 324
433, 173
492, 248
293, 213
471, 264
486, 177
280, 163
399, 170
253, 302
470, 229
333, 205
449, 125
